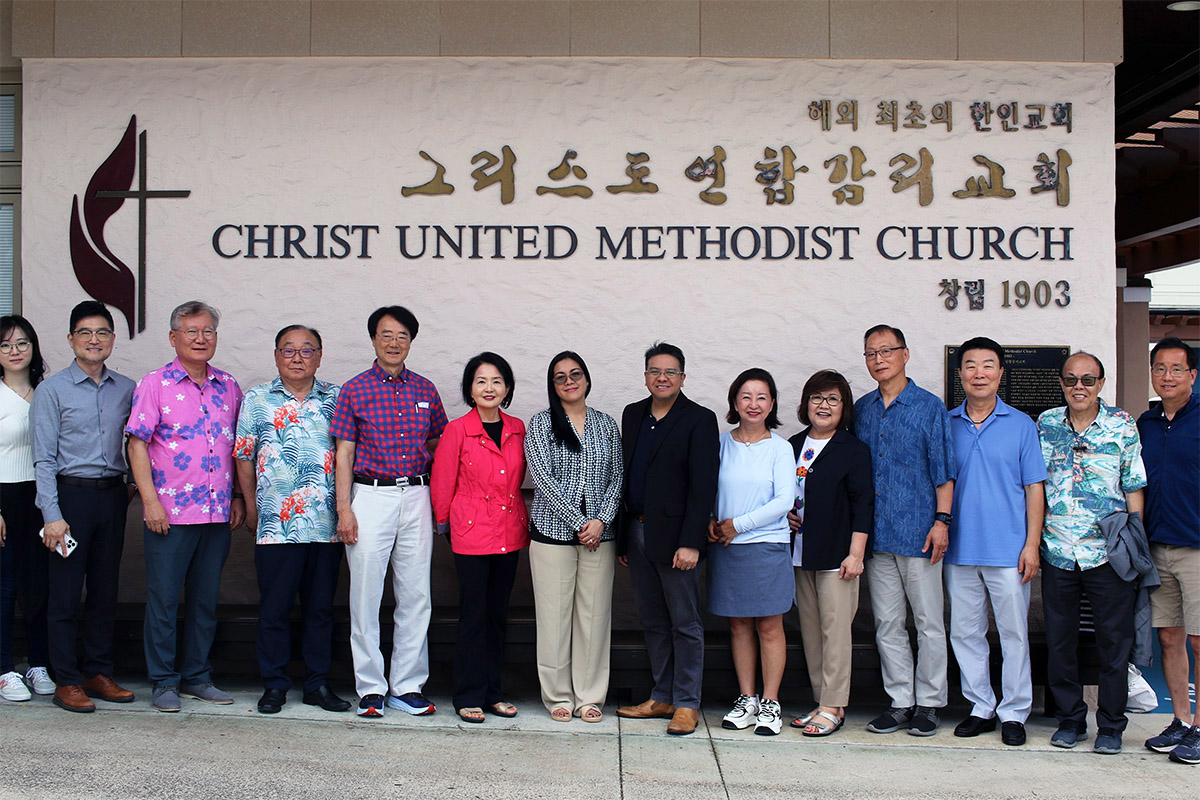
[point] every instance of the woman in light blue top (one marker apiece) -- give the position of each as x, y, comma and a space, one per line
749, 555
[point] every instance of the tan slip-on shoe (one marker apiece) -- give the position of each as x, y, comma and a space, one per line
651, 709
683, 722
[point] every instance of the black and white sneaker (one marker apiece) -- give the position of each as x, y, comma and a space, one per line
743, 715
891, 720
924, 722
770, 718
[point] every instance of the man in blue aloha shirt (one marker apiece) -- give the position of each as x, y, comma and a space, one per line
285, 456
1094, 460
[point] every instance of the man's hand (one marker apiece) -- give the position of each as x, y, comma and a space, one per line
939, 540
347, 526
1029, 563
251, 518
155, 516
852, 567
686, 558
2, 531
55, 533
623, 561
712, 530
237, 513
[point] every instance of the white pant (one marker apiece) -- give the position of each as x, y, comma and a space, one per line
969, 589
895, 583
395, 525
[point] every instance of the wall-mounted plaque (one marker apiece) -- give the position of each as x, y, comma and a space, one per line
1030, 381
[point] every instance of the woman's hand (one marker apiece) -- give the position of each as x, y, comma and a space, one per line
589, 537
726, 532
794, 521
852, 567
712, 530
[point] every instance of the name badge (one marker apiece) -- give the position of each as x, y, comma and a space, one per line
423, 405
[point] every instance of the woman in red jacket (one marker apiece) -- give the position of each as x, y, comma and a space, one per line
476, 490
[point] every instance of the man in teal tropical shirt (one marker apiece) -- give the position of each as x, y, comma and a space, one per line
1094, 460
285, 455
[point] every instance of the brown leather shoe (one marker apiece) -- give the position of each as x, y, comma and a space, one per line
684, 722
651, 709
106, 688
72, 698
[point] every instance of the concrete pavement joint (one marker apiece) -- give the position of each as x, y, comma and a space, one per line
712, 745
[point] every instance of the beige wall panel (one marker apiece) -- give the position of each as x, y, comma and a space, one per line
375, 27
925, 29
764, 28
1020, 30
1103, 29
7, 59
33, 28
625, 28
245, 28
120, 28
506, 28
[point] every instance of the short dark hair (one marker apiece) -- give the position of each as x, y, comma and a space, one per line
37, 364
753, 374
664, 349
398, 313
90, 308
899, 334
1099, 365
981, 343
824, 380
1174, 343
285, 331
560, 426
478, 361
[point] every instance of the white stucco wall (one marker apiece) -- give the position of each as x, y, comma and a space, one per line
332, 141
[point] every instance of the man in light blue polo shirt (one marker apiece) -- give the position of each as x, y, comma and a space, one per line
999, 505
908, 431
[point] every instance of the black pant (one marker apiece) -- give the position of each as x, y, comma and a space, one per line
1112, 601
283, 570
96, 518
484, 586
23, 574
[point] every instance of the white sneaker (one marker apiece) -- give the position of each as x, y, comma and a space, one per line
13, 688
39, 680
770, 718
744, 712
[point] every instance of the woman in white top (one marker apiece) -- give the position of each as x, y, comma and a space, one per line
23, 559
749, 555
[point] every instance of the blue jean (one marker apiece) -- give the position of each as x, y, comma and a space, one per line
190, 557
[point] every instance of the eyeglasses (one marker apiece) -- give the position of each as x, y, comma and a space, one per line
574, 376
387, 337
655, 372
1158, 371
195, 334
20, 345
290, 352
816, 400
883, 352
1086, 380
103, 334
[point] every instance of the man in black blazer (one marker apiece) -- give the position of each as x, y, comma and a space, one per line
671, 459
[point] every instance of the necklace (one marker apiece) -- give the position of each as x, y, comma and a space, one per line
23, 395
739, 439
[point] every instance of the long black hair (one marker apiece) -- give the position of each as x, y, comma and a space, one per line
37, 365
564, 434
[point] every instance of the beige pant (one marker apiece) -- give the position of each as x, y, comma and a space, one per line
572, 594
827, 607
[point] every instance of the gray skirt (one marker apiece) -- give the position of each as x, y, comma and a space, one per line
750, 580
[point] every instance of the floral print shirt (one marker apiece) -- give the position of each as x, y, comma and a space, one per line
189, 432
289, 442
1090, 473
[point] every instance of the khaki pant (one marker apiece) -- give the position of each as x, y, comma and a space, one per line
827, 607
572, 593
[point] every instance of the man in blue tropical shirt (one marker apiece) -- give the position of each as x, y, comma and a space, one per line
285, 456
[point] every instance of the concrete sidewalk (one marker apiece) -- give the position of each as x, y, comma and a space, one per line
233, 752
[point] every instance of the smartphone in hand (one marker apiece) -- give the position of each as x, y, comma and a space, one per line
68, 542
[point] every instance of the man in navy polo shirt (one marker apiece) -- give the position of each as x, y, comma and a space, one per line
1170, 434
387, 424
999, 506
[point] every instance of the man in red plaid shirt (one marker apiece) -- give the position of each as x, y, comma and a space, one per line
387, 425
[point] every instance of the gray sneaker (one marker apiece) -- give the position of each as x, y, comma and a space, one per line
166, 698
206, 692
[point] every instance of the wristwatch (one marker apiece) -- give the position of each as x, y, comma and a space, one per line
942, 516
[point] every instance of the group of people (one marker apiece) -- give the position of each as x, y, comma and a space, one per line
891, 485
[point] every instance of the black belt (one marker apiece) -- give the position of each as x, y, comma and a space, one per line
92, 483
404, 480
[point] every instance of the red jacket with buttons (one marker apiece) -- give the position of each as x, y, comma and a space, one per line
476, 486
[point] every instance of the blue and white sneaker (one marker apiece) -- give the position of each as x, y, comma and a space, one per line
1188, 749
413, 703
371, 706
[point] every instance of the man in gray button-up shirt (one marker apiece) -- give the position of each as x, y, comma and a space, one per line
78, 418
